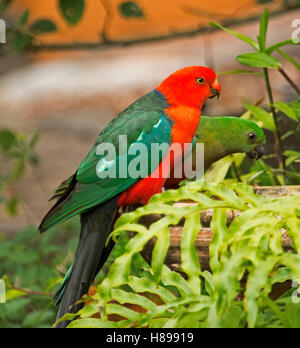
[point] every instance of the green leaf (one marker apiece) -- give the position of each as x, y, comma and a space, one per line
91, 323
218, 170
276, 309
21, 41
292, 315
295, 105
145, 285
276, 46
256, 284
123, 297
262, 116
258, 60
12, 206
291, 156
288, 134
131, 9
189, 258
34, 140
160, 250
89, 310
218, 223
42, 26
242, 37
263, 30
12, 294
287, 110
72, 10
24, 18
7, 139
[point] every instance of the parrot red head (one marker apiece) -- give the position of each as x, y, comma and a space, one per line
190, 86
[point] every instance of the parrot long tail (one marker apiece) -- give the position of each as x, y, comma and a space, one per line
96, 225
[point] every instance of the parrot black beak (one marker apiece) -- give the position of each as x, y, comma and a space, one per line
214, 93
257, 152
215, 89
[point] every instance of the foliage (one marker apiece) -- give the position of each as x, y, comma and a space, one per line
15, 152
31, 261
250, 246
279, 167
27, 261
22, 33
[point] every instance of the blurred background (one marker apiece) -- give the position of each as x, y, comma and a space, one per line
69, 66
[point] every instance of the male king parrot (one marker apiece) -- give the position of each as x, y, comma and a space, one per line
168, 114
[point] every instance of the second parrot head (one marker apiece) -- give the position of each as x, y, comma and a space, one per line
252, 138
191, 86
232, 135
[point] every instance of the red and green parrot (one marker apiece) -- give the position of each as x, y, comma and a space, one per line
168, 114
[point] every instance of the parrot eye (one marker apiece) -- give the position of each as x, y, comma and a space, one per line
200, 80
251, 136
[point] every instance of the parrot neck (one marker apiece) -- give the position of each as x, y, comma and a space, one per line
186, 121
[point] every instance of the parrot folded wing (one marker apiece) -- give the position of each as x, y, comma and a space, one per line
89, 187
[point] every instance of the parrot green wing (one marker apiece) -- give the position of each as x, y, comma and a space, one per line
144, 122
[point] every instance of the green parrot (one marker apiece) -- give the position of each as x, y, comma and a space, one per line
223, 136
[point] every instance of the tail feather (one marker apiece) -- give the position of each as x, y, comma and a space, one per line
58, 296
96, 225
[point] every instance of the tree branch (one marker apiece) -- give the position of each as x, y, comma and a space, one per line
30, 292
279, 148
290, 81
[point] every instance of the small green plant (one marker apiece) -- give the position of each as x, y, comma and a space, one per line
15, 152
20, 33
31, 265
29, 262
283, 167
250, 247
